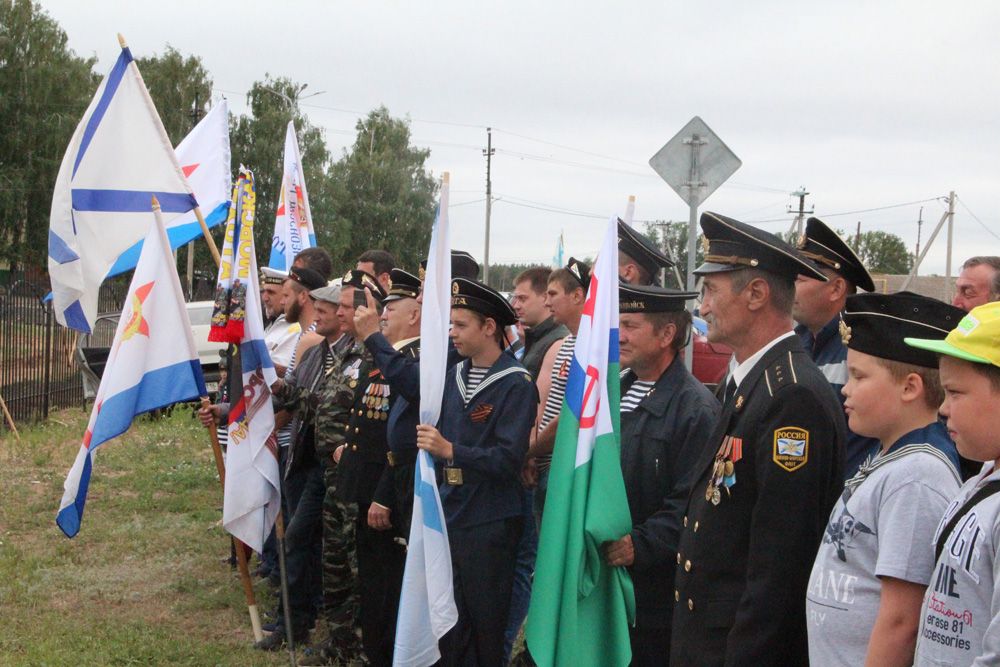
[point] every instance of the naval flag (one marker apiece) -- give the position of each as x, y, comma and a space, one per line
153, 363
293, 224
118, 158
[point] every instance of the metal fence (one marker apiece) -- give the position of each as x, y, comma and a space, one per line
39, 370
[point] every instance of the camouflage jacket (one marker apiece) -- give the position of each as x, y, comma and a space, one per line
334, 399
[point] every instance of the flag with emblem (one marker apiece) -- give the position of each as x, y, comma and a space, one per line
581, 608
153, 363
252, 495
204, 157
427, 604
293, 225
118, 158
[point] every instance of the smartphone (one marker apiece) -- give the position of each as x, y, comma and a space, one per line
360, 298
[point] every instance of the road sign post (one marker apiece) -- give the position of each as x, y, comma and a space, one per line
695, 162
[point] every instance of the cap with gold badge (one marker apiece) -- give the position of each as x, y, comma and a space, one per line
362, 279
269, 276
404, 285
482, 299
826, 249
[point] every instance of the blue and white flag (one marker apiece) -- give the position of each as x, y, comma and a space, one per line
293, 223
153, 363
427, 604
119, 157
557, 258
204, 157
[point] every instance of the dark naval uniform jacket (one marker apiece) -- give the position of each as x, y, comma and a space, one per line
662, 438
489, 429
764, 487
364, 457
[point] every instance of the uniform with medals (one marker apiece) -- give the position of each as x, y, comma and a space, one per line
481, 487
764, 486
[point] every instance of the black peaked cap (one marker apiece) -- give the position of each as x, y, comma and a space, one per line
463, 265
362, 279
825, 248
404, 285
730, 245
641, 249
307, 277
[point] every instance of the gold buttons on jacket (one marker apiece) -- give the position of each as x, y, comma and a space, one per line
678, 559
687, 566
357, 429
677, 595
354, 448
696, 526
685, 522
690, 604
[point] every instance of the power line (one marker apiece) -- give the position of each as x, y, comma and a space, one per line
863, 210
976, 218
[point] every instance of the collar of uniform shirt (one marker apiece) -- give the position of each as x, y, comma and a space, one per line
742, 370
399, 345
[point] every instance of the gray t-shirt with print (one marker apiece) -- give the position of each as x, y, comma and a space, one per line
882, 527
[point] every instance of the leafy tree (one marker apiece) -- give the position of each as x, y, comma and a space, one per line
883, 252
181, 90
44, 89
258, 141
673, 236
383, 197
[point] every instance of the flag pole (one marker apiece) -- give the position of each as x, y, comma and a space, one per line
241, 552
279, 534
10, 420
212, 248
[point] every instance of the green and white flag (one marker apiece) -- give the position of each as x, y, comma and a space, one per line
581, 607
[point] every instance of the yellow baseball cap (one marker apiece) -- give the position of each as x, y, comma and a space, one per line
975, 339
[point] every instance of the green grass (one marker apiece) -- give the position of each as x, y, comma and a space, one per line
142, 584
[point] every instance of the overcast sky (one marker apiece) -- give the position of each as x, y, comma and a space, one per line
867, 105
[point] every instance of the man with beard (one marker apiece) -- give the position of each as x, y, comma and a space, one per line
299, 307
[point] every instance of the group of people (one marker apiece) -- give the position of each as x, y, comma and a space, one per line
833, 502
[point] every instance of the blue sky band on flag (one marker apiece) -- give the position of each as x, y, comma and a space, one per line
252, 494
153, 363
205, 159
293, 224
427, 608
581, 608
118, 158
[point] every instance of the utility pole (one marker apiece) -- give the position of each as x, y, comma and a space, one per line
857, 238
488, 152
948, 216
196, 114
947, 261
920, 222
801, 213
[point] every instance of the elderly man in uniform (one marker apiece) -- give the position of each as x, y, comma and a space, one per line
639, 261
817, 309
665, 416
769, 472
978, 283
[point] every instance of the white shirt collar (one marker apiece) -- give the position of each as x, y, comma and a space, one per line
399, 345
742, 370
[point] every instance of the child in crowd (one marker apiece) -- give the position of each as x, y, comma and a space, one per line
875, 560
960, 616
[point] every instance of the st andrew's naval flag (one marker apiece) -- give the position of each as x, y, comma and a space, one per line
293, 224
252, 495
118, 158
427, 604
581, 607
152, 364
204, 157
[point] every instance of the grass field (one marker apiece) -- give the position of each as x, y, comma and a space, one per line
142, 584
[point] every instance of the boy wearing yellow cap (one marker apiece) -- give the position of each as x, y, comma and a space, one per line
960, 617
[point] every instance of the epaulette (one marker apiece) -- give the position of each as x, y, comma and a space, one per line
780, 373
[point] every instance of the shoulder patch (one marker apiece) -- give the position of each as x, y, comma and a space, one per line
791, 447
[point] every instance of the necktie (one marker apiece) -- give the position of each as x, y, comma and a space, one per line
730, 391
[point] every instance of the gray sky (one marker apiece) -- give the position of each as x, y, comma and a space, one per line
866, 104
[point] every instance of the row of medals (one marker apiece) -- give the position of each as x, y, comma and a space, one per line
723, 473
376, 400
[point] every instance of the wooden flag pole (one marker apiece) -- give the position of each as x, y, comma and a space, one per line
241, 550
10, 419
212, 248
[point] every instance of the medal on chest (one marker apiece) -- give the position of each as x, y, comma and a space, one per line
724, 469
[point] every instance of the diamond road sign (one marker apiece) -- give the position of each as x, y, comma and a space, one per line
695, 162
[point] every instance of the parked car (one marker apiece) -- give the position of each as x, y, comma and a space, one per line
92, 349
710, 359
